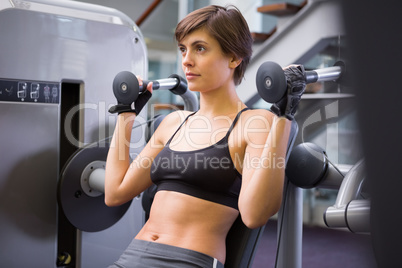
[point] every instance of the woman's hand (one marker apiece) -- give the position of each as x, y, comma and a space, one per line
137, 103
143, 97
296, 85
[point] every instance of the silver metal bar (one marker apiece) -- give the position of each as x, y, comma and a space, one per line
167, 83
329, 73
324, 74
351, 184
190, 101
189, 98
96, 180
334, 217
332, 180
358, 216
347, 211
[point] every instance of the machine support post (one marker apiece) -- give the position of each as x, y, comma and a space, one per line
290, 217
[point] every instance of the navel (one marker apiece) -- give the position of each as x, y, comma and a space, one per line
154, 237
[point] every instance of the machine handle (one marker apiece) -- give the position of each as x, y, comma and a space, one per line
271, 79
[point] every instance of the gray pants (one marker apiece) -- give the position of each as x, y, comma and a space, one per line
145, 254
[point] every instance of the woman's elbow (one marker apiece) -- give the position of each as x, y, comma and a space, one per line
254, 223
255, 219
112, 200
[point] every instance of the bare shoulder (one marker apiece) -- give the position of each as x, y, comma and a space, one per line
175, 118
257, 118
263, 112
256, 126
169, 125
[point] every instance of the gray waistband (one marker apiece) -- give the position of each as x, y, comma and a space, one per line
142, 253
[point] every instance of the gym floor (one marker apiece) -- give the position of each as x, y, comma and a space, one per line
322, 247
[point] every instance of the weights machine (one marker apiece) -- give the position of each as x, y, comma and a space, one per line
308, 166
59, 61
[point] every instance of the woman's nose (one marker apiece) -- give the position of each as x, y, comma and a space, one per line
187, 60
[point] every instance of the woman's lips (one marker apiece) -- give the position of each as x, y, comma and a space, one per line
190, 75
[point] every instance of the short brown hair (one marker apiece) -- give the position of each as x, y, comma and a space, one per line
228, 26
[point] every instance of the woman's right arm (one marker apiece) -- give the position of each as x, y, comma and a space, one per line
124, 181
119, 172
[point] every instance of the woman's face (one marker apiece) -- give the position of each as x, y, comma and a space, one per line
204, 63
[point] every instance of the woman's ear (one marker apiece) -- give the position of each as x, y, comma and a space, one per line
234, 62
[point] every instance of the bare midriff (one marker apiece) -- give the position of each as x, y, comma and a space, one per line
184, 221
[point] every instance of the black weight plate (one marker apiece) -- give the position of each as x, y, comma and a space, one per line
89, 214
126, 87
271, 82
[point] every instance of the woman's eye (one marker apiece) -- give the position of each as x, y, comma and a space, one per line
200, 48
182, 50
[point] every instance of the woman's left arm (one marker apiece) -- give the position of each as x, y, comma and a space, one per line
264, 172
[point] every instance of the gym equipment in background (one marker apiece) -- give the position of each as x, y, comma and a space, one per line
82, 182
308, 167
271, 80
58, 60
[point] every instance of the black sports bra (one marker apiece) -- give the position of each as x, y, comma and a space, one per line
207, 173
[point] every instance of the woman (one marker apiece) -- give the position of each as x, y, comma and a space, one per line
210, 165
